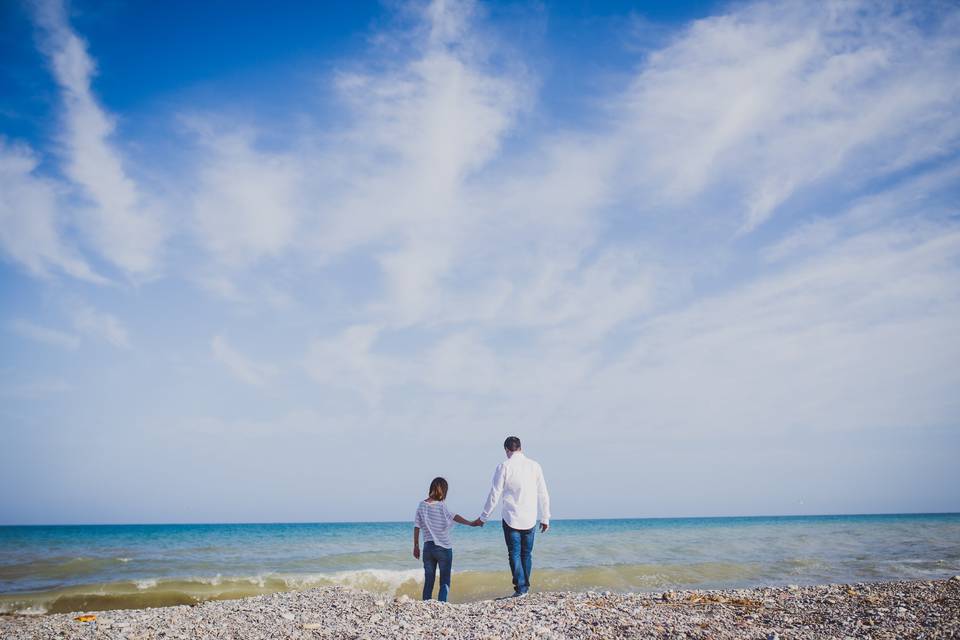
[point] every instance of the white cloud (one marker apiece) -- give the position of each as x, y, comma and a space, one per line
36, 389
926, 199
240, 366
861, 337
102, 325
248, 203
119, 222
420, 127
751, 106
712, 135
754, 238
221, 287
30, 220
858, 338
45, 334
528, 312
525, 273
301, 422
347, 362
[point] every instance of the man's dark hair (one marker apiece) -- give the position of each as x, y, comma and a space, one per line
512, 443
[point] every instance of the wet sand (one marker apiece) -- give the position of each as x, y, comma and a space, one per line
916, 609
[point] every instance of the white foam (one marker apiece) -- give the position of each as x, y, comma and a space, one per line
32, 610
257, 580
384, 580
378, 580
306, 580
146, 584
35, 610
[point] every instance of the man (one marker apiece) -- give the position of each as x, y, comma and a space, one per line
518, 480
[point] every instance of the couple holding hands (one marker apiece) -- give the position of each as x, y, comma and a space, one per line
518, 482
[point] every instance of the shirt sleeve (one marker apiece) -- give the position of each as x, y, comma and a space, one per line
543, 498
447, 515
496, 490
418, 518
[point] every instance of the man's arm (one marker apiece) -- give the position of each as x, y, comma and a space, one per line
544, 499
496, 490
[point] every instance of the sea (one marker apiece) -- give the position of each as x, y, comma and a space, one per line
49, 569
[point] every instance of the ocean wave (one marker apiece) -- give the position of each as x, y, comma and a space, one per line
57, 567
160, 592
143, 585
467, 585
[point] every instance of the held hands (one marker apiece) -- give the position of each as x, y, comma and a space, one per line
543, 527
477, 523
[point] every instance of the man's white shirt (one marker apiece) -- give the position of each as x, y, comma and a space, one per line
519, 482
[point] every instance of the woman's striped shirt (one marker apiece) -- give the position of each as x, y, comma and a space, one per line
435, 521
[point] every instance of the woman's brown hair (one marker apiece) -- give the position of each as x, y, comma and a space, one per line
438, 489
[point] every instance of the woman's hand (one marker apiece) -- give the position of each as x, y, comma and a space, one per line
416, 551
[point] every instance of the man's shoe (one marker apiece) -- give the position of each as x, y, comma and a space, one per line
517, 594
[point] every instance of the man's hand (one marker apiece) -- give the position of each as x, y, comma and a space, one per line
543, 527
478, 522
416, 551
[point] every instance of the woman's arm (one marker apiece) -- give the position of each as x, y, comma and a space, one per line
459, 518
416, 542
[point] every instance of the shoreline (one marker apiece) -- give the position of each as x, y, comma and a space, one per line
905, 609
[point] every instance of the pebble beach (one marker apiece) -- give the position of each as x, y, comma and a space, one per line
913, 609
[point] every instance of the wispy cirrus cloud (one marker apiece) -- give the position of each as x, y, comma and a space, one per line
857, 338
31, 219
113, 214
716, 130
418, 127
749, 232
249, 203
101, 325
711, 137
86, 321
750, 107
239, 365
34, 390
45, 335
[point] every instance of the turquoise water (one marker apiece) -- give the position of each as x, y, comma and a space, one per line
68, 568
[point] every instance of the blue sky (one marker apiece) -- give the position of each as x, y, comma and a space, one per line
291, 263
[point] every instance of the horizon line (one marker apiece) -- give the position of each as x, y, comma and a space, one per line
552, 520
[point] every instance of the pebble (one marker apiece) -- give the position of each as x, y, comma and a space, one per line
928, 609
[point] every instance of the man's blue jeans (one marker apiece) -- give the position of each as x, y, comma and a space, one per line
519, 552
434, 556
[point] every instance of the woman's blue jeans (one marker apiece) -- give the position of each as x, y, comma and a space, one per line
434, 556
519, 553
